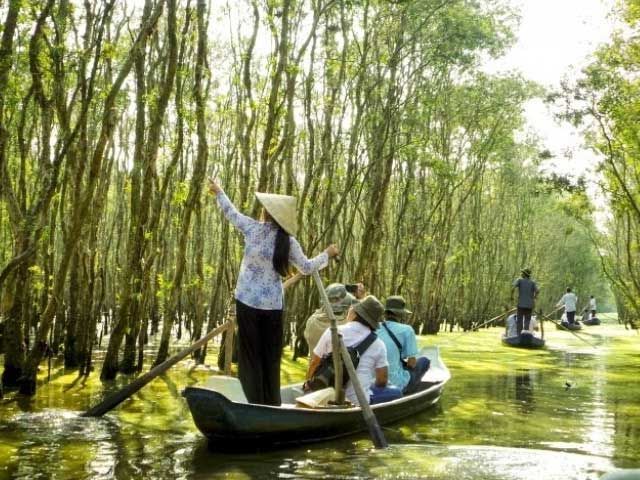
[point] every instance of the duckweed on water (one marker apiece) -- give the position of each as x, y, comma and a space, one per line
505, 412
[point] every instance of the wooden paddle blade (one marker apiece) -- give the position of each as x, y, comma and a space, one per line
118, 397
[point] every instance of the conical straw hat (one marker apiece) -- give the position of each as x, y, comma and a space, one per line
282, 209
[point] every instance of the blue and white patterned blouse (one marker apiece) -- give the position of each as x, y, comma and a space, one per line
259, 285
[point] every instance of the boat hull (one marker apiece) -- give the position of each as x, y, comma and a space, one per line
569, 326
524, 340
592, 321
237, 425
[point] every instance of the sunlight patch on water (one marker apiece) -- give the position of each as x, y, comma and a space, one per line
412, 461
484, 462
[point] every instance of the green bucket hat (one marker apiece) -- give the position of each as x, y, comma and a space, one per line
335, 292
344, 304
370, 310
396, 304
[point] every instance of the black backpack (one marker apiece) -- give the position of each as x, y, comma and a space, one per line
324, 376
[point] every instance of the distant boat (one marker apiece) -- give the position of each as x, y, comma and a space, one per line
569, 326
222, 413
589, 320
524, 340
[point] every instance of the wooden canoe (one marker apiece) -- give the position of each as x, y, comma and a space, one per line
524, 340
592, 321
567, 326
221, 412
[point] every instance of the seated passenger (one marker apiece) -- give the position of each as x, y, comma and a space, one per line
592, 306
405, 370
362, 319
512, 327
319, 321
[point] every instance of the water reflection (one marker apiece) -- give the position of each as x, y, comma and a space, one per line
524, 391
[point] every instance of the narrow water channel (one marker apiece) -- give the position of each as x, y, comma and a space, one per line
568, 412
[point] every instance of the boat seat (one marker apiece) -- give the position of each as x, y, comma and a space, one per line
230, 387
297, 391
290, 393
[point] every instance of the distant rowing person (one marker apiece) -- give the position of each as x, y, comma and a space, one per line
527, 294
269, 247
570, 302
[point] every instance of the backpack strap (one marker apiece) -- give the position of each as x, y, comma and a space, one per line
365, 344
403, 362
393, 337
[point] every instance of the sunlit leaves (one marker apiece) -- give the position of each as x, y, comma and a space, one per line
180, 193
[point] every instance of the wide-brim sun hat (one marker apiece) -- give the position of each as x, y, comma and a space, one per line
370, 310
282, 209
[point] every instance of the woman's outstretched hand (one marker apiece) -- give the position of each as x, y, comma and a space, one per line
214, 188
332, 250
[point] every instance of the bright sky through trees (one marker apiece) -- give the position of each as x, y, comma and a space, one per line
555, 39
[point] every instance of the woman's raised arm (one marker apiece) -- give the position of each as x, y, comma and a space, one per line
237, 219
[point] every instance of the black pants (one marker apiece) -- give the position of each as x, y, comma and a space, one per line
523, 315
259, 352
571, 317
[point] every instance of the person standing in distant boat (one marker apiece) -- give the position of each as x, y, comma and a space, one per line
269, 248
592, 306
527, 294
569, 301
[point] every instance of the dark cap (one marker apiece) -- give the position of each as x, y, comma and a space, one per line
396, 304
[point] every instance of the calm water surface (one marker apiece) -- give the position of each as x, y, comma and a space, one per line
568, 412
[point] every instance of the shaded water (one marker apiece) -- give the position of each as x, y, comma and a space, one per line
568, 412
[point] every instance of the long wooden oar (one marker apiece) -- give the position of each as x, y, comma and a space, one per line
292, 280
118, 397
338, 345
565, 328
114, 400
335, 340
541, 320
475, 329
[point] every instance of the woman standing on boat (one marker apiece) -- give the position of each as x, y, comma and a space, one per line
269, 247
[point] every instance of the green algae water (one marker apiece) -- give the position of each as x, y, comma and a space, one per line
570, 411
